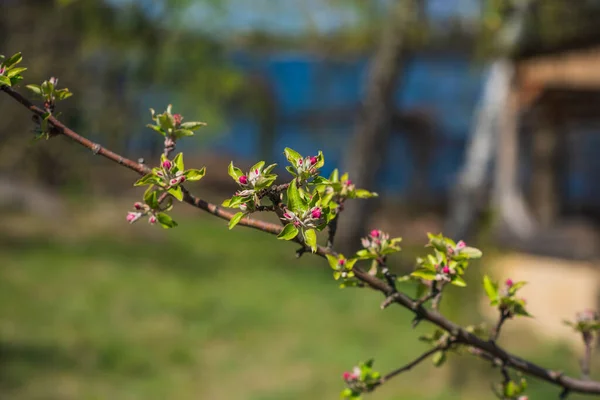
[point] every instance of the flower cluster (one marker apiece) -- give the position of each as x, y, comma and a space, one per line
587, 323
142, 210
303, 168
378, 244
448, 262
505, 298
10, 74
360, 379
251, 184
342, 267
171, 125
309, 219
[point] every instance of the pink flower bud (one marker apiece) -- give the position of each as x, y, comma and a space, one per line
375, 233
316, 213
160, 174
167, 165
348, 182
178, 118
450, 250
313, 160
243, 180
287, 215
446, 270
174, 181
461, 245
509, 282
300, 161
255, 172
2, 69
349, 376
137, 205
243, 206
132, 217
152, 220
296, 223
181, 179
342, 262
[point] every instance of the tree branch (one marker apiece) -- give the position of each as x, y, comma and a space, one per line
461, 335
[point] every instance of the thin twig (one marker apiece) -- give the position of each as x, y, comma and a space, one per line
496, 332
462, 336
412, 364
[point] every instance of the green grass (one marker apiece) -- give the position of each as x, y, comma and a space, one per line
196, 313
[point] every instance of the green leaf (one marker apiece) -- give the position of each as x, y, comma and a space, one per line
180, 133
257, 166
320, 160
510, 389
311, 239
13, 60
294, 200
269, 168
491, 289
235, 201
335, 176
192, 126
516, 286
146, 180
166, 121
365, 254
165, 221
236, 219
333, 261
364, 194
226, 203
63, 94
176, 192
292, 156
234, 172
157, 129
424, 274
458, 281
15, 71
35, 89
471, 252
178, 161
194, 174
288, 233
151, 198
4, 80
439, 358
291, 170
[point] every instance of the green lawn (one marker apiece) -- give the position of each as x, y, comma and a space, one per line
199, 312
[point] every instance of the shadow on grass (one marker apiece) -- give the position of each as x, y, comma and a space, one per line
18, 361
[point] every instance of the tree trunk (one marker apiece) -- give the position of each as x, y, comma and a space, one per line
368, 148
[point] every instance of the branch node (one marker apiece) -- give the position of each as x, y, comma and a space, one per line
96, 148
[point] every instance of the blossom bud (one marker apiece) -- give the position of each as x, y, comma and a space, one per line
461, 245
133, 216
375, 233
174, 181
137, 205
342, 262
178, 118
446, 270
316, 213
152, 220
313, 160
243, 180
167, 165
509, 282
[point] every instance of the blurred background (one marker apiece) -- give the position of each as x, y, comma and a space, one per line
476, 118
